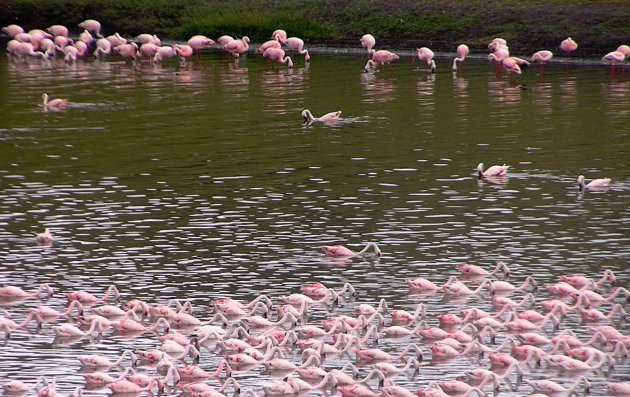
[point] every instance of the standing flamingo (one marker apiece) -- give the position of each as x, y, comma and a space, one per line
183, 51
541, 58
12, 30
594, 184
58, 30
237, 47
568, 46
462, 53
277, 54
199, 42
380, 57
424, 54
279, 35
297, 44
92, 26
368, 41
614, 58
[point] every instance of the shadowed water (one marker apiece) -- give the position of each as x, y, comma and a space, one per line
201, 181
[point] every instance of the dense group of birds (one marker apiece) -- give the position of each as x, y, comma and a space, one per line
507, 343
55, 41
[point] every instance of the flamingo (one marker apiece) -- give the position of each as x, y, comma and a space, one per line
87, 298
468, 269
92, 26
17, 386
495, 170
10, 291
103, 48
103, 378
126, 387
405, 316
541, 58
96, 361
568, 45
422, 284
237, 47
279, 35
116, 39
145, 38
7, 325
614, 58
328, 118
600, 183
618, 388
277, 54
368, 41
497, 42
548, 386
127, 51
12, 30
58, 30
462, 53
624, 49
297, 44
380, 57
68, 330
580, 281
199, 42
163, 52
268, 44
340, 250
424, 54
511, 65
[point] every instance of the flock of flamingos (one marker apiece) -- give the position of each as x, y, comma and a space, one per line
506, 344
46, 44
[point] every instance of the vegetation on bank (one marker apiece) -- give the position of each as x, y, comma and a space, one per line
529, 25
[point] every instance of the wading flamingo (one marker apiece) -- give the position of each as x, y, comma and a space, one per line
424, 54
511, 65
468, 269
462, 53
380, 57
87, 298
495, 170
92, 26
368, 42
297, 44
594, 184
541, 58
277, 54
200, 42
98, 361
7, 325
183, 51
12, 30
340, 250
52, 104
11, 291
614, 58
18, 387
237, 47
279, 35
58, 30
328, 118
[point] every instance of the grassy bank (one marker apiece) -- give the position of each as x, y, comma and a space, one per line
598, 26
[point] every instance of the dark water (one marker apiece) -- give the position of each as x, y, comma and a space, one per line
201, 181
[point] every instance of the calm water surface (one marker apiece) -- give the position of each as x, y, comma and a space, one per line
201, 181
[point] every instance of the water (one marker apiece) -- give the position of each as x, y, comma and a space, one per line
201, 181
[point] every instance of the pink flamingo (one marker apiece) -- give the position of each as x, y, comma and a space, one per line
53, 104
368, 42
116, 39
58, 30
594, 184
199, 42
162, 53
97, 361
148, 38
541, 58
268, 44
468, 269
618, 388
103, 378
92, 26
279, 35
86, 38
495, 170
426, 55
12, 30
380, 57
614, 58
405, 316
237, 47
277, 54
24, 49
103, 48
17, 386
183, 51
497, 43
580, 281
328, 118
340, 250
10, 291
422, 284
68, 330
548, 386
148, 50
126, 387
127, 51
86, 297
568, 45
511, 65
297, 44
7, 325
624, 49
462, 53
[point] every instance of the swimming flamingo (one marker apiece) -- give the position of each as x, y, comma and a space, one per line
91, 25
618, 388
468, 269
368, 41
87, 298
580, 281
277, 54
340, 250
68, 330
495, 170
548, 386
7, 325
53, 104
103, 378
328, 118
568, 45
124, 386
424, 54
462, 53
297, 44
96, 361
17, 386
594, 184
10, 291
